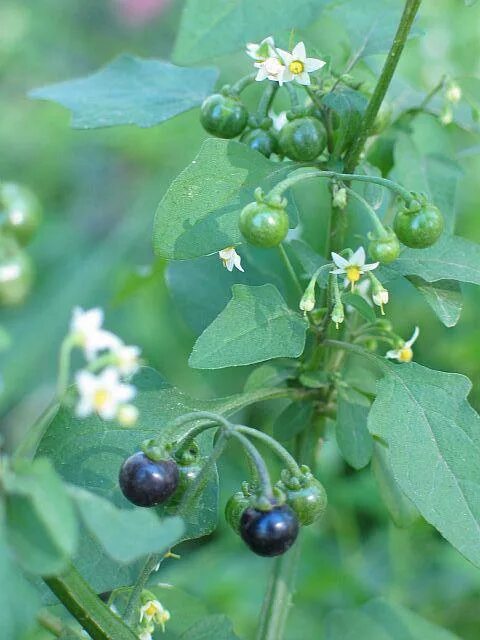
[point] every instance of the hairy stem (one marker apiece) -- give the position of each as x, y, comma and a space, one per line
393, 57
86, 607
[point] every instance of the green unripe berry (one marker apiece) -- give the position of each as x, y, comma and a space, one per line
419, 228
305, 495
236, 505
302, 139
263, 225
264, 141
16, 273
223, 116
20, 211
384, 249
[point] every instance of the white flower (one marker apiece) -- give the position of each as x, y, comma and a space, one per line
154, 611
298, 66
353, 268
102, 394
260, 52
453, 93
127, 415
230, 259
146, 634
279, 120
86, 330
404, 353
271, 68
380, 298
127, 359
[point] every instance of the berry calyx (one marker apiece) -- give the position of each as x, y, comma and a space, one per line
16, 273
261, 140
384, 249
20, 212
189, 466
147, 482
305, 495
264, 223
302, 139
419, 227
224, 116
236, 505
269, 533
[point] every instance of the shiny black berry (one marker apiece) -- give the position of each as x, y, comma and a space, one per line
147, 482
269, 533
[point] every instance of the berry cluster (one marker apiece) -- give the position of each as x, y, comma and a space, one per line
268, 520
20, 216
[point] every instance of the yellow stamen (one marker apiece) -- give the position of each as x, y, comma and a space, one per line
151, 610
353, 274
296, 67
100, 398
405, 354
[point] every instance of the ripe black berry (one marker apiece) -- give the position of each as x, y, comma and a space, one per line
269, 533
147, 482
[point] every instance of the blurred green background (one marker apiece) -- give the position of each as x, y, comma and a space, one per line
100, 189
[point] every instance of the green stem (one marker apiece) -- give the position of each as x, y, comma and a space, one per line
275, 446
308, 173
57, 627
64, 366
379, 228
290, 269
292, 94
153, 560
258, 461
243, 83
278, 598
393, 57
86, 607
266, 100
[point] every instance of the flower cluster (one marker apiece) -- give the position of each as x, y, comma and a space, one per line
282, 66
152, 613
101, 385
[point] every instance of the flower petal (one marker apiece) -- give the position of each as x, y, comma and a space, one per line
299, 52
285, 56
303, 78
358, 258
314, 64
340, 260
393, 354
370, 267
415, 335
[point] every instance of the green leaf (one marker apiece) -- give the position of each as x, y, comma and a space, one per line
18, 599
435, 175
41, 522
381, 620
451, 258
400, 508
131, 90
433, 437
292, 421
126, 534
199, 213
309, 260
370, 31
444, 297
88, 453
211, 28
272, 374
360, 304
256, 325
353, 438
214, 626
189, 282
349, 106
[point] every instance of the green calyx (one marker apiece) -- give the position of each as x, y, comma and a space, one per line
236, 505
304, 494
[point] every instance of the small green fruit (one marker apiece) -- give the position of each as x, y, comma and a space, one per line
236, 505
260, 140
384, 249
305, 495
16, 273
223, 116
20, 211
263, 225
302, 139
419, 228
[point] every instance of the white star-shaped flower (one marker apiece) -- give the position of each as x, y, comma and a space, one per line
127, 359
102, 394
154, 611
230, 259
279, 120
271, 69
298, 66
260, 52
86, 330
404, 353
353, 268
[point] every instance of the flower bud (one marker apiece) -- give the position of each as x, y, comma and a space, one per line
338, 314
307, 303
339, 197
